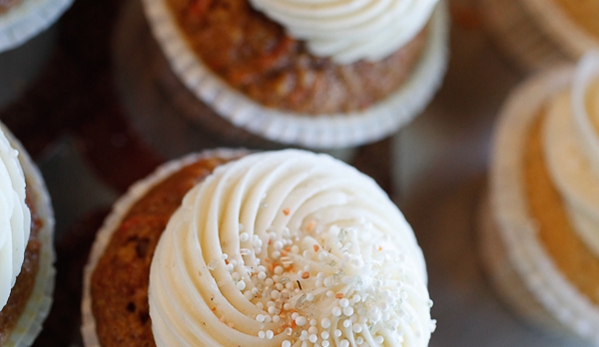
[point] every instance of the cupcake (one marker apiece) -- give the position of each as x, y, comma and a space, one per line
321, 76
20, 20
26, 247
285, 248
542, 244
539, 33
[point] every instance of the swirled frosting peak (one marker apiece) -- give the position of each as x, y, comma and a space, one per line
289, 248
15, 218
350, 30
571, 144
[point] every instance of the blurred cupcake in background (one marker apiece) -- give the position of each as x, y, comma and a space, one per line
321, 75
541, 237
26, 245
20, 20
538, 33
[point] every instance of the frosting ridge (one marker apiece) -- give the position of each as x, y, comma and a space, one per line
571, 144
289, 248
15, 218
350, 30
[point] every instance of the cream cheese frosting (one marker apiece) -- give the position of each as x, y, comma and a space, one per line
15, 218
350, 30
571, 145
289, 248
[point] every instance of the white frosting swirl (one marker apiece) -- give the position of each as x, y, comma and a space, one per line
350, 30
15, 218
289, 248
571, 145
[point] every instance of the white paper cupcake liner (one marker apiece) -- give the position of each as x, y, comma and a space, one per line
519, 36
27, 19
570, 36
38, 306
512, 218
326, 131
505, 280
113, 220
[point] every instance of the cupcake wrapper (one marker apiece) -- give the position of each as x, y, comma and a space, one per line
570, 36
27, 19
327, 131
113, 220
516, 227
518, 35
502, 275
39, 303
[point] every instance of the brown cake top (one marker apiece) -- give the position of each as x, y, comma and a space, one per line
119, 284
254, 55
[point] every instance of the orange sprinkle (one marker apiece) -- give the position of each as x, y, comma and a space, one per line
293, 325
214, 309
311, 226
305, 275
339, 295
231, 324
227, 261
288, 248
380, 248
283, 252
286, 211
270, 242
316, 248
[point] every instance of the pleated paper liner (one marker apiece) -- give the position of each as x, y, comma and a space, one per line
326, 131
568, 34
111, 223
518, 35
510, 211
38, 306
27, 19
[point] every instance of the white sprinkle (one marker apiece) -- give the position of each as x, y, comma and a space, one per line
322, 255
344, 343
313, 322
344, 302
360, 340
325, 343
330, 293
348, 311
313, 338
224, 256
346, 323
357, 328
241, 285
286, 343
301, 321
337, 332
279, 270
294, 315
325, 323
310, 297
275, 294
336, 311
379, 339
261, 334
260, 318
269, 334
276, 318
324, 335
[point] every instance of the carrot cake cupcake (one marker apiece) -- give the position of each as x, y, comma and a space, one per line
27, 222
20, 20
538, 33
285, 248
543, 245
324, 74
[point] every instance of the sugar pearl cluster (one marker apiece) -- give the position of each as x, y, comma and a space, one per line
327, 285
